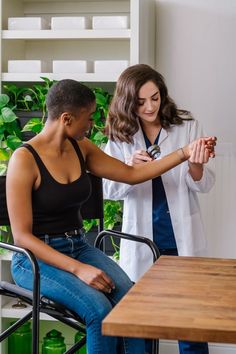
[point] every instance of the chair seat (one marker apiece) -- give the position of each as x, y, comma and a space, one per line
48, 306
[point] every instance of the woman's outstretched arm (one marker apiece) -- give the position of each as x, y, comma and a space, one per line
108, 167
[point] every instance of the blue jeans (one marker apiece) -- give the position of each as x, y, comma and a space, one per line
90, 304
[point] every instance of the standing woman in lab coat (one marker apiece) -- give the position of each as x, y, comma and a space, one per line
165, 209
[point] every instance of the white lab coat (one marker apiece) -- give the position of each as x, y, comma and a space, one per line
181, 192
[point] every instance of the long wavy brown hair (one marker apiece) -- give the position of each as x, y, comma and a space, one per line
122, 120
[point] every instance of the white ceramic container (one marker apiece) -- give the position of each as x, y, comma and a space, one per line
111, 66
27, 23
69, 66
110, 22
26, 66
69, 23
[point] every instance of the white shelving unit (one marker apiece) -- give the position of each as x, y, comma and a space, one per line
135, 44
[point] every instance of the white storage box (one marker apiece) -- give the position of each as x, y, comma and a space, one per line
69, 66
27, 23
110, 22
26, 66
111, 66
69, 23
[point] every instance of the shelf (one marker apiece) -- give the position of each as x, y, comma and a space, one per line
83, 77
134, 44
67, 34
6, 256
9, 312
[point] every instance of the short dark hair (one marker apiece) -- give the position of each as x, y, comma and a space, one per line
68, 95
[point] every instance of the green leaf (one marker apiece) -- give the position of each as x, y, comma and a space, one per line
99, 138
33, 125
96, 115
89, 224
13, 142
13, 128
4, 99
4, 155
3, 169
8, 115
11, 88
116, 256
28, 98
101, 99
4, 228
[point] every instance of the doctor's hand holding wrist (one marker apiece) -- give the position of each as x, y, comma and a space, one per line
200, 152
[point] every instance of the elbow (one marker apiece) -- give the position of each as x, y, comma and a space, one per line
19, 240
132, 183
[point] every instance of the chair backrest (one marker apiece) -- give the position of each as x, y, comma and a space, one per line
91, 209
4, 220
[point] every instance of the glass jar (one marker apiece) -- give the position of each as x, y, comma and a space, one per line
20, 341
78, 337
53, 343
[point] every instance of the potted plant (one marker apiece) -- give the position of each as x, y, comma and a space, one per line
10, 139
10, 132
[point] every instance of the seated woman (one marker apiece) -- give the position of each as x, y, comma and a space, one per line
46, 185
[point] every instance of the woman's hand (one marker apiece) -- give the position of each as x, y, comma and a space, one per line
94, 277
210, 145
139, 156
200, 150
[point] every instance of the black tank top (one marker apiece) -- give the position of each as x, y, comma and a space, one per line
56, 206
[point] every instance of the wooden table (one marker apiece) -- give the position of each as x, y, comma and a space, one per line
186, 298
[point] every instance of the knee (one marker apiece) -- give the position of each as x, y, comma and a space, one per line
122, 285
98, 312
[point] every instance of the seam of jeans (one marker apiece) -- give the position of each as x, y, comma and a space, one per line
126, 350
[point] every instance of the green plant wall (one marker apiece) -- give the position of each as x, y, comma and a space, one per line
33, 98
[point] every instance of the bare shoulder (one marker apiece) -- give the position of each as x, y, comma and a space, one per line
87, 147
21, 156
22, 165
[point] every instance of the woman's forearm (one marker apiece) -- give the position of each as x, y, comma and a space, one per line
113, 169
46, 253
142, 172
196, 171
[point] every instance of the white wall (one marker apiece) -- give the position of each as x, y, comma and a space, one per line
196, 53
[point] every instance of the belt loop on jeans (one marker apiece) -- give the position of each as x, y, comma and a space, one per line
46, 238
